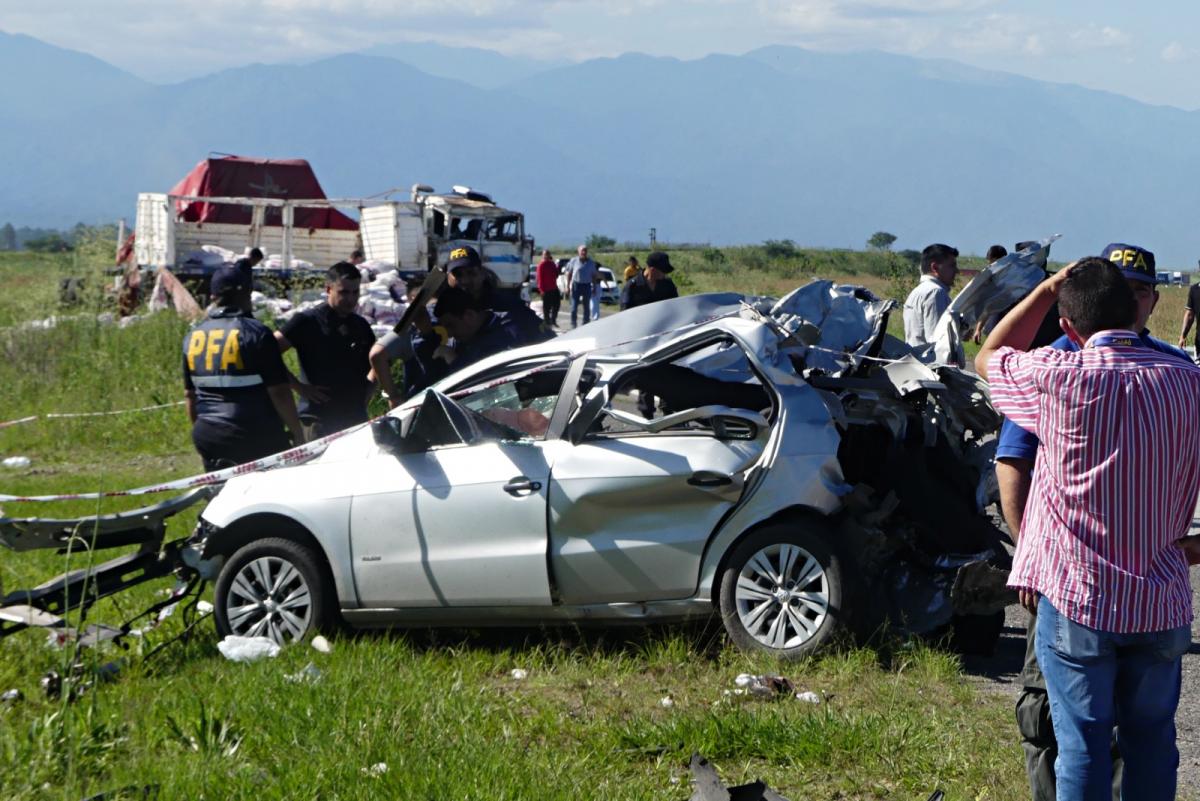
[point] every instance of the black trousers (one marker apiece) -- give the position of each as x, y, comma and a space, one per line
220, 447
1037, 729
551, 303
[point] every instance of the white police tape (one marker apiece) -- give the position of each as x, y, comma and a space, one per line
72, 415
309, 450
293, 456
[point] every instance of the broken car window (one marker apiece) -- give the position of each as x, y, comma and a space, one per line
522, 406
716, 374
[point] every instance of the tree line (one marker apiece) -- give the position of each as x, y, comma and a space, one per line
50, 240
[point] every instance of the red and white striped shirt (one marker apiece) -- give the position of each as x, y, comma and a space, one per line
1115, 481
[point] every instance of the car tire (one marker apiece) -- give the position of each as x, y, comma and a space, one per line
274, 588
784, 591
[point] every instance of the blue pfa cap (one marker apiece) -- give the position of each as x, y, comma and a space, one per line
1133, 262
228, 278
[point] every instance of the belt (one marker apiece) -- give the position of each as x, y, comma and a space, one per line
226, 381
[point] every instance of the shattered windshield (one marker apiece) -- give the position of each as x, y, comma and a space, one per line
503, 229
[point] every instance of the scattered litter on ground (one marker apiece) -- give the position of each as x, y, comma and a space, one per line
12, 696
309, 674
710, 788
808, 697
762, 686
247, 649
519, 673
204, 607
666, 702
57, 638
51, 684
376, 770
321, 644
17, 462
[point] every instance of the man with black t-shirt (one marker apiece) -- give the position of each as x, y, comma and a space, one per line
333, 343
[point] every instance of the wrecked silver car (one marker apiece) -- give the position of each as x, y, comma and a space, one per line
786, 463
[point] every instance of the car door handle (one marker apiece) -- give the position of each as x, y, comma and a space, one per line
709, 478
521, 485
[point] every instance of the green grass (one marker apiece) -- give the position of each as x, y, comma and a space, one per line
440, 709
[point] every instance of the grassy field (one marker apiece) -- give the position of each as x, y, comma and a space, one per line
440, 710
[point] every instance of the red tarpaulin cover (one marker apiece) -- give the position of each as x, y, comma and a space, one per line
238, 176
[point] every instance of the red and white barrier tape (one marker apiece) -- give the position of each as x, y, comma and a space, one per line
72, 415
301, 453
297, 455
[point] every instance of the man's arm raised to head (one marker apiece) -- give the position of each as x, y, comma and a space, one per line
1018, 328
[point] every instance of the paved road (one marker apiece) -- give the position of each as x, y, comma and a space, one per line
564, 312
999, 673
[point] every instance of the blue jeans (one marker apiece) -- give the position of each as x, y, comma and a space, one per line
1100, 679
581, 294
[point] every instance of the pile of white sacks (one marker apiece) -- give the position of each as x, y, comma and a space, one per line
381, 300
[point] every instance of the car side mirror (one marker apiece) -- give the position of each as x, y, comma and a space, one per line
388, 432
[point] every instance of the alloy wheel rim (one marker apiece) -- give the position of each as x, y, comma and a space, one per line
782, 596
269, 598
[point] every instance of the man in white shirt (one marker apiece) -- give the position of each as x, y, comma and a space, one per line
925, 304
582, 276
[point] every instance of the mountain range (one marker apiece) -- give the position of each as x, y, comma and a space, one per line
780, 142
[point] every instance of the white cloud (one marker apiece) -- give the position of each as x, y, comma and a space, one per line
1098, 37
1176, 52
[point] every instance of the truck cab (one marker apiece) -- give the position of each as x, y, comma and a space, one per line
421, 233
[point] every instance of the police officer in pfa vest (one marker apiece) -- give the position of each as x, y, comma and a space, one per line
236, 384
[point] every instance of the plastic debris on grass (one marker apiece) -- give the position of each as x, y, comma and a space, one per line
319, 643
247, 649
764, 686
376, 770
666, 702
16, 462
519, 674
309, 674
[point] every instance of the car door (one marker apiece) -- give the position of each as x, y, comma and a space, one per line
634, 501
461, 524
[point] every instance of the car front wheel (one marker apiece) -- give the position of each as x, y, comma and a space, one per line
272, 588
783, 592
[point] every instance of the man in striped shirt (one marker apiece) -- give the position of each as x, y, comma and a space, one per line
1016, 451
1113, 492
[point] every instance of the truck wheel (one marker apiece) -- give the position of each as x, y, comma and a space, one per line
273, 588
783, 592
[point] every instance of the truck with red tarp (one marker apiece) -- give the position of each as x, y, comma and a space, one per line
233, 203
236, 203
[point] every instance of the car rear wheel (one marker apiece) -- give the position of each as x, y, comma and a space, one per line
273, 588
783, 592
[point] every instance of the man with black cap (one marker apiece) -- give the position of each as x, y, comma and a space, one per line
475, 331
333, 343
417, 347
465, 270
651, 284
1016, 452
235, 381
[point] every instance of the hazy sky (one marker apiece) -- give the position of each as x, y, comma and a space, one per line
1148, 51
